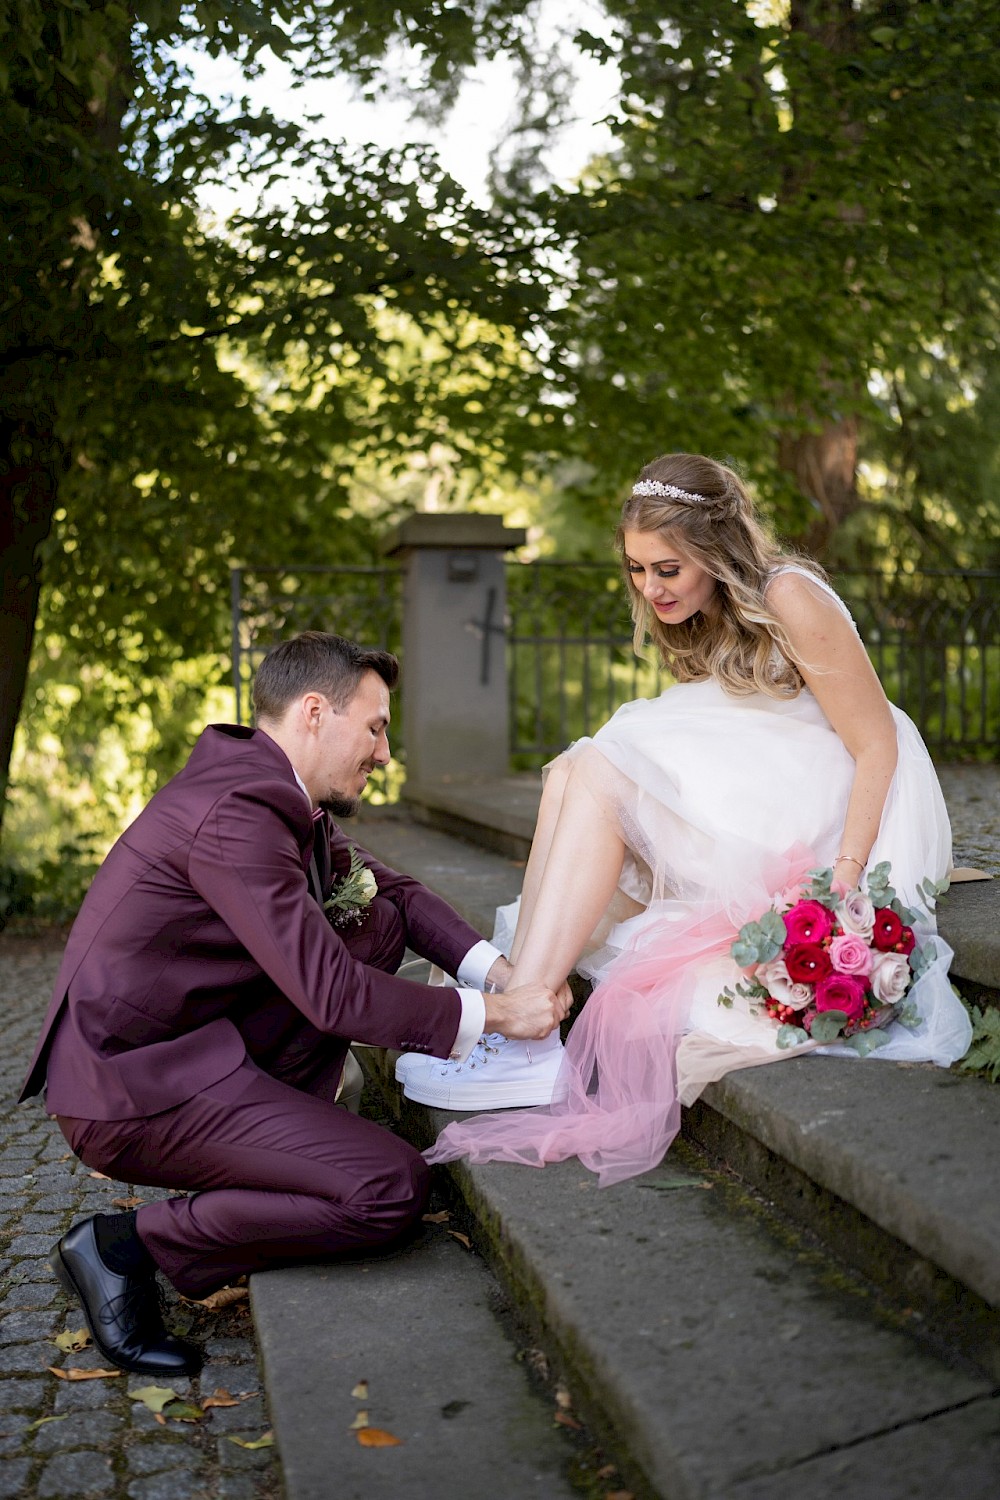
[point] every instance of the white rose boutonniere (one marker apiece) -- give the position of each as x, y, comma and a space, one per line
352, 894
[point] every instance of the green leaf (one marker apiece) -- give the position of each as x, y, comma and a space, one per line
267, 1441
866, 1042
827, 1025
791, 1036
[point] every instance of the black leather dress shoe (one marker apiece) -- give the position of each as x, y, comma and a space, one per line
122, 1312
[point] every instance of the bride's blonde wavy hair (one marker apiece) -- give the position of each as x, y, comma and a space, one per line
722, 533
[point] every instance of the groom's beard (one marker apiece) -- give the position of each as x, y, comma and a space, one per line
340, 807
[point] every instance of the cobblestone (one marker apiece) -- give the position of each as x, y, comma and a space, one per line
102, 1444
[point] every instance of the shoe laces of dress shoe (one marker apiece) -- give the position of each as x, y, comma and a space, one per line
141, 1301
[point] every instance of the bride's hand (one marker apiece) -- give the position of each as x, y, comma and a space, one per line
498, 977
847, 874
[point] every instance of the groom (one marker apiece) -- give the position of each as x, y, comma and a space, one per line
202, 1014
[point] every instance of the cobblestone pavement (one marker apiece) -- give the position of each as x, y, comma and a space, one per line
87, 1438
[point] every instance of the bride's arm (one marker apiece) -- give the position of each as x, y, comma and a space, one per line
835, 665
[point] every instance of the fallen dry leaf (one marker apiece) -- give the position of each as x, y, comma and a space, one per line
226, 1296
608, 1472
463, 1238
377, 1437
126, 1202
267, 1441
74, 1374
437, 1218
361, 1420
68, 1156
72, 1341
360, 1391
101, 1176
565, 1420
154, 1396
563, 1398
182, 1411
41, 1421
221, 1398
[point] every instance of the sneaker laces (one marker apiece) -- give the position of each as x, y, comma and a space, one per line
489, 1045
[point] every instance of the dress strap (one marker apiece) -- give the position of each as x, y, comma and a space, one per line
820, 583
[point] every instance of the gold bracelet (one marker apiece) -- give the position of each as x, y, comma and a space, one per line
850, 860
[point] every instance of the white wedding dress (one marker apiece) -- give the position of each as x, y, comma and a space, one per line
721, 799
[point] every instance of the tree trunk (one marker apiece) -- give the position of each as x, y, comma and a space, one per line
824, 466
27, 502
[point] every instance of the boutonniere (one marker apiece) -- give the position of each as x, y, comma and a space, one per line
352, 895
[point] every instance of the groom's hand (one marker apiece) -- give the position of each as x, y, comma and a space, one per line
526, 1013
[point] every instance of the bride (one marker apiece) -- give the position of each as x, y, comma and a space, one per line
775, 752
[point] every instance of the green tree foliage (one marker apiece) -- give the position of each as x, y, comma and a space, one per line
788, 256
172, 398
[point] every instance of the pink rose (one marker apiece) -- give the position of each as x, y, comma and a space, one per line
780, 985
808, 922
807, 962
844, 992
857, 914
850, 954
890, 977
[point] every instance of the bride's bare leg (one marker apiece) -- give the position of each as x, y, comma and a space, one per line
545, 826
582, 867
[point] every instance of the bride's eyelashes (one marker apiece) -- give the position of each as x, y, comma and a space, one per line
660, 572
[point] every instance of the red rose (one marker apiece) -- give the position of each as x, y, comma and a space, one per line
844, 992
888, 929
808, 922
807, 962
907, 942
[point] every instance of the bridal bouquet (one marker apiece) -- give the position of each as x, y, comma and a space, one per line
353, 893
834, 967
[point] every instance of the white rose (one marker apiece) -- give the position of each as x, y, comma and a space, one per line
779, 984
856, 914
890, 977
367, 885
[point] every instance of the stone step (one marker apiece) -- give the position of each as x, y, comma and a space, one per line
414, 1341
716, 1352
894, 1166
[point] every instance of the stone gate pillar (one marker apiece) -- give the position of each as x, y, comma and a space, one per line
455, 713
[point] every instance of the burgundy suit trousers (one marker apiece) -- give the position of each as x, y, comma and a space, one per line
277, 1173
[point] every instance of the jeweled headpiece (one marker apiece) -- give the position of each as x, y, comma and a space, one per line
655, 487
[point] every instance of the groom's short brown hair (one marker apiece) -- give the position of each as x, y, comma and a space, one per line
316, 661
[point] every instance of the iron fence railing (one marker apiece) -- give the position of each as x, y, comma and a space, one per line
934, 638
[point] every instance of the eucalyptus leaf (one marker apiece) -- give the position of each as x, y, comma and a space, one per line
827, 1025
866, 1042
791, 1036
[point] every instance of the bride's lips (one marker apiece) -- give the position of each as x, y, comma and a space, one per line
664, 608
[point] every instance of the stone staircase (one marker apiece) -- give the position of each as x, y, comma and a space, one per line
803, 1300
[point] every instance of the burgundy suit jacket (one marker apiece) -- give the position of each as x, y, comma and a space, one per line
200, 924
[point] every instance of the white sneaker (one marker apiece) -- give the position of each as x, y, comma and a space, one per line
497, 1074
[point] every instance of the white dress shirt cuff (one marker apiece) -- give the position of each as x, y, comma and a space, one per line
477, 963
471, 1026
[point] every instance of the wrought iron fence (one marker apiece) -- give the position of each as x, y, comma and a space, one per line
362, 604
934, 638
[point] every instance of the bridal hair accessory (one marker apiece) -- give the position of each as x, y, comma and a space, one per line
655, 487
832, 967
